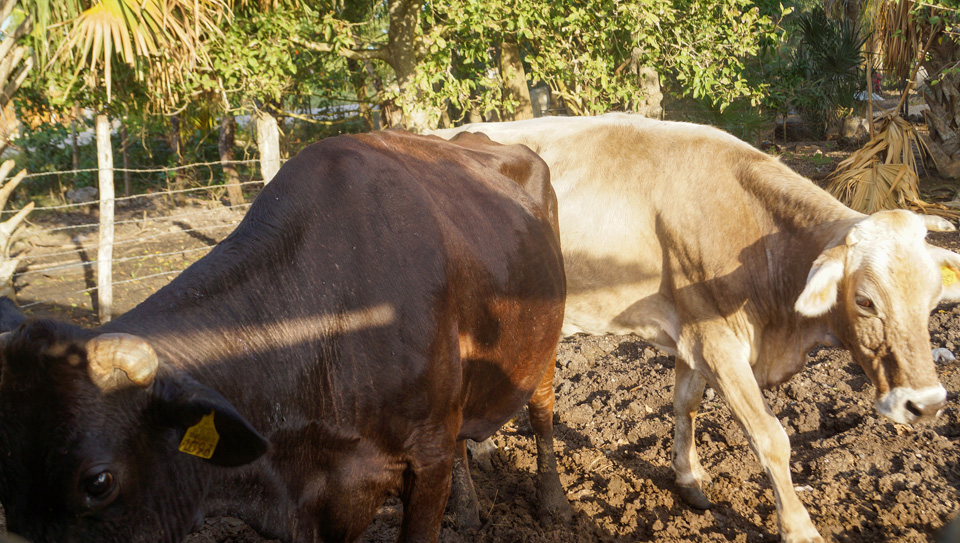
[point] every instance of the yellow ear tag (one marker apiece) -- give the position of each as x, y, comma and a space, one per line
949, 276
201, 438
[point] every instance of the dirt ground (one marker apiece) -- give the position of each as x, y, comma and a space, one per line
863, 478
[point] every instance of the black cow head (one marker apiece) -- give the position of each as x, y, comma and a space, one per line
91, 432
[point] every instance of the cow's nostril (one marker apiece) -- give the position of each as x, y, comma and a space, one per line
913, 409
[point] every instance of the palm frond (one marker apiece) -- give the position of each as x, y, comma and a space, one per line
900, 36
136, 29
883, 173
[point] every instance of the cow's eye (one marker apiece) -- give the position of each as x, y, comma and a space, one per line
99, 485
865, 303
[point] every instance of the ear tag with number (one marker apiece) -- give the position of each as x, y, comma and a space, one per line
201, 438
949, 276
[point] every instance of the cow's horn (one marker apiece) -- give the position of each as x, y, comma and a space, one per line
131, 355
937, 224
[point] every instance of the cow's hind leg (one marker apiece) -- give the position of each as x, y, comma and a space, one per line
463, 495
686, 463
553, 500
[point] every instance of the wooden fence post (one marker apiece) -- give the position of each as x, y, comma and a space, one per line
268, 143
105, 252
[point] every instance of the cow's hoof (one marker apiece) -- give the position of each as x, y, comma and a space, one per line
554, 508
694, 497
467, 520
815, 539
553, 514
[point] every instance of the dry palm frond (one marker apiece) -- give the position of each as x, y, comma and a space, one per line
883, 174
900, 35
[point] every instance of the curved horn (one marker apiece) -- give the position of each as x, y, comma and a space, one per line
132, 355
937, 224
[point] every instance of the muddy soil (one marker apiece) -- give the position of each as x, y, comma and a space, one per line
863, 478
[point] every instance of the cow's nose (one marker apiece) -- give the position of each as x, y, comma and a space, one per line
907, 405
925, 411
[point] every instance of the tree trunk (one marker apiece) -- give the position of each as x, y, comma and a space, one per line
179, 180
228, 129
75, 147
124, 145
358, 78
403, 58
943, 117
268, 143
105, 251
9, 227
514, 83
652, 104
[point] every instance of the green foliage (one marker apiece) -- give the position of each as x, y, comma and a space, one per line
820, 77
256, 60
712, 45
741, 118
293, 56
589, 51
48, 150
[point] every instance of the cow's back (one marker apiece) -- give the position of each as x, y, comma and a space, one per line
677, 204
395, 251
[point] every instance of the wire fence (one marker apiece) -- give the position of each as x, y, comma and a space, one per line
57, 260
158, 169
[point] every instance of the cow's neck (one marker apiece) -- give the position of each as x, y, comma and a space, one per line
800, 221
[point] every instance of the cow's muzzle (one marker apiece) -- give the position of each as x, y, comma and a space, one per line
909, 406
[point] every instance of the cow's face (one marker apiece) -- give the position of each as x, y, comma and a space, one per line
879, 286
90, 428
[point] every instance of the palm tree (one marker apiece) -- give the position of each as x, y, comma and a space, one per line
919, 34
158, 39
15, 64
90, 35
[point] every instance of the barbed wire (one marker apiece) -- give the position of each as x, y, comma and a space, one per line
125, 241
115, 283
62, 266
131, 221
114, 261
134, 197
145, 170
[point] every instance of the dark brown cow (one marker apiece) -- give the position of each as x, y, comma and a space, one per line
386, 297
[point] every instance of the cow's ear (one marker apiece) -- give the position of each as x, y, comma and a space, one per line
949, 264
820, 293
211, 428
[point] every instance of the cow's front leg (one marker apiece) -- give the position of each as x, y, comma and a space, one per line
463, 495
691, 476
725, 363
426, 488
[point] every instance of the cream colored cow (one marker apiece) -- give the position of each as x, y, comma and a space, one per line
724, 257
